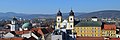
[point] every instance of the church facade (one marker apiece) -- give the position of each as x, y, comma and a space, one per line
67, 24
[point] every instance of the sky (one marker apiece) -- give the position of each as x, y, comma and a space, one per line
52, 6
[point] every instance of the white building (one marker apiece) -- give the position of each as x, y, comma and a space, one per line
67, 24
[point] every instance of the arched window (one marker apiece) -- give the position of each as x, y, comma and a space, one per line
59, 25
71, 26
70, 18
58, 19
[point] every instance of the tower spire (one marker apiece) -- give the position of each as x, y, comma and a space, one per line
71, 12
59, 13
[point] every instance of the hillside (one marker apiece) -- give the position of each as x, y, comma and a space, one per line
103, 14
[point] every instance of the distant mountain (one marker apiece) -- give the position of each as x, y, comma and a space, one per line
103, 14
9, 15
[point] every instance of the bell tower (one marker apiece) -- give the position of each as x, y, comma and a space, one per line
71, 19
58, 19
13, 24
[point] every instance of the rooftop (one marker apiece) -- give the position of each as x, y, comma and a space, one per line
109, 27
88, 24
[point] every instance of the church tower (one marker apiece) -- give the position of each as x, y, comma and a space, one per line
71, 19
58, 19
13, 24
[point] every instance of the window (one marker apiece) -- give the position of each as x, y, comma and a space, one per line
92, 30
93, 35
83, 35
57, 39
81, 30
77, 28
95, 28
84, 28
96, 35
95, 31
70, 18
80, 34
59, 25
71, 26
58, 19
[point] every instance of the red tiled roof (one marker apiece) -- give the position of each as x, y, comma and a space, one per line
22, 32
109, 27
11, 38
49, 29
42, 31
38, 30
115, 39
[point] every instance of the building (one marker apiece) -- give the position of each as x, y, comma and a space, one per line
88, 29
67, 24
58, 35
109, 30
90, 38
61, 34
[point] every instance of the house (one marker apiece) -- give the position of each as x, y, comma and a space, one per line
109, 30
9, 35
61, 34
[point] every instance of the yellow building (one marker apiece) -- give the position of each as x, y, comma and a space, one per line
109, 30
109, 33
88, 29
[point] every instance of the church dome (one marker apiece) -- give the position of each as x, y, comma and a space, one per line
59, 13
71, 13
27, 25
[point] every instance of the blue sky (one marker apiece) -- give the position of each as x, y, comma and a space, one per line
52, 6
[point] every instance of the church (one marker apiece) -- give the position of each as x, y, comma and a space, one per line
67, 24
64, 29
74, 27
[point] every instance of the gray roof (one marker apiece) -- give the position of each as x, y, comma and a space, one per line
88, 24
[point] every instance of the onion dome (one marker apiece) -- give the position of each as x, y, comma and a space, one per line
27, 25
59, 13
71, 13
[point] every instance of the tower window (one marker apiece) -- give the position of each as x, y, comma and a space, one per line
58, 19
71, 26
58, 25
70, 18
